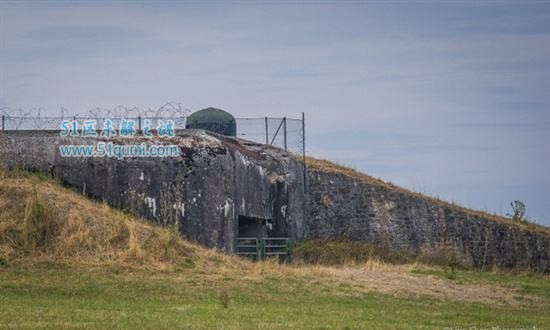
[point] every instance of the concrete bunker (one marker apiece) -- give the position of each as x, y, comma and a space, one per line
199, 191
203, 191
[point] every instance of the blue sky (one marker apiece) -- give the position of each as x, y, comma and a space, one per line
451, 99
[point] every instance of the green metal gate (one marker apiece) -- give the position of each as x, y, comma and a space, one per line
263, 248
249, 247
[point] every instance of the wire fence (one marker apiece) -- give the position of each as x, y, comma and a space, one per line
285, 133
282, 132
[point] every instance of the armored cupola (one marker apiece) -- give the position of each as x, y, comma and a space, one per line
214, 120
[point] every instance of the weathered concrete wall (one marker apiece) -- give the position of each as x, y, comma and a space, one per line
344, 207
203, 191
216, 179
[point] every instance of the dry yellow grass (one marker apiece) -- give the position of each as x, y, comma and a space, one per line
40, 221
330, 167
75, 230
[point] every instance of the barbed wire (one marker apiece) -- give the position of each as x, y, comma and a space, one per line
282, 132
170, 109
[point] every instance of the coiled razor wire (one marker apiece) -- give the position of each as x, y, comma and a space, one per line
286, 133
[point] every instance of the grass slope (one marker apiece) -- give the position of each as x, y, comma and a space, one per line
68, 262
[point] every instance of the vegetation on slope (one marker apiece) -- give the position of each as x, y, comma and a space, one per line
41, 220
348, 252
66, 261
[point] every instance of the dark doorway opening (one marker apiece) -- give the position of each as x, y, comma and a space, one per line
253, 227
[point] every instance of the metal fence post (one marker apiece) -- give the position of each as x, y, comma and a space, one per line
284, 131
266, 132
139, 123
3, 122
259, 249
304, 147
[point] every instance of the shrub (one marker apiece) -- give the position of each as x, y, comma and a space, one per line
345, 252
28, 226
224, 298
39, 226
445, 254
3, 262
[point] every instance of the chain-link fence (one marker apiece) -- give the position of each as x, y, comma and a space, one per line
285, 133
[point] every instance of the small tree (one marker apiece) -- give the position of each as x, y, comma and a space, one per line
518, 209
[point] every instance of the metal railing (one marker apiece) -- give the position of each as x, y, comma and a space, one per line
263, 248
249, 247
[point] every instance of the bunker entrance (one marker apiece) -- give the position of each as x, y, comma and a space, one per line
253, 241
251, 227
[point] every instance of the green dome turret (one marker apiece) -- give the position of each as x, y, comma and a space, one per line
214, 120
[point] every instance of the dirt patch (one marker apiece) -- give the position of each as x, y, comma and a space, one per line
233, 146
399, 281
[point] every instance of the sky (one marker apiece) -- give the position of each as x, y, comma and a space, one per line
451, 99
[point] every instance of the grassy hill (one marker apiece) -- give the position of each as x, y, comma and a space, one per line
67, 262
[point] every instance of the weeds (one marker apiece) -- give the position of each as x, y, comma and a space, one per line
345, 252
40, 175
325, 200
3, 262
39, 226
445, 254
224, 298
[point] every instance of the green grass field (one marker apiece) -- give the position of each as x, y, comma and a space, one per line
56, 297
95, 267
